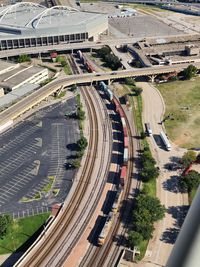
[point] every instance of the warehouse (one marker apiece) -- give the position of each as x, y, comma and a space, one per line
30, 25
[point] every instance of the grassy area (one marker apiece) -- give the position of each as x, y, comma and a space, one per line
148, 8
20, 231
48, 186
149, 187
182, 99
62, 94
67, 70
191, 195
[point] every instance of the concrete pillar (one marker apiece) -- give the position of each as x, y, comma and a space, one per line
152, 78
109, 82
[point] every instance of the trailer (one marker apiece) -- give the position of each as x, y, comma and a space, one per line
148, 129
123, 122
123, 175
125, 158
165, 140
109, 93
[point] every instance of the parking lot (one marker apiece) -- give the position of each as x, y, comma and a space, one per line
142, 26
33, 151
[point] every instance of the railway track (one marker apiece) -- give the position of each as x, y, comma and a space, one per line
96, 257
44, 251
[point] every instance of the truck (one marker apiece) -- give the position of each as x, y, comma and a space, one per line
148, 129
165, 140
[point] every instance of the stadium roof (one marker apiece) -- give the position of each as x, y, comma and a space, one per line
27, 19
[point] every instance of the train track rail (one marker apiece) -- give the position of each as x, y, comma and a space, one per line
39, 254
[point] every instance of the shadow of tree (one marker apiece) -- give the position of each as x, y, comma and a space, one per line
178, 213
170, 235
173, 185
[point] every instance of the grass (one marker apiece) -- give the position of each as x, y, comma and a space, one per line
48, 186
67, 69
149, 187
192, 194
62, 94
182, 99
20, 231
148, 8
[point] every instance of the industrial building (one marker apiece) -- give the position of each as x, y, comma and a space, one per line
30, 25
17, 80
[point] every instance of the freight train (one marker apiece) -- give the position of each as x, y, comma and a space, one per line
123, 171
85, 62
106, 90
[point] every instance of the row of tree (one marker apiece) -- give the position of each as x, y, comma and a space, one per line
149, 170
109, 58
147, 210
134, 89
190, 180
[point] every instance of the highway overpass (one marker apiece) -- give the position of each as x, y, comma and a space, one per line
17, 109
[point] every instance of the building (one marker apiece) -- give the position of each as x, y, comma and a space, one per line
27, 24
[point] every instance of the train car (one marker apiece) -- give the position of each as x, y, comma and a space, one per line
165, 140
79, 53
105, 230
123, 175
116, 103
121, 113
109, 93
125, 132
125, 157
102, 86
125, 142
116, 203
123, 122
89, 67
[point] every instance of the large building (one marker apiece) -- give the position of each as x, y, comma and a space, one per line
30, 25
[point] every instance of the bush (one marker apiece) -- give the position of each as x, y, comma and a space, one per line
5, 222
189, 72
188, 158
82, 143
24, 58
190, 181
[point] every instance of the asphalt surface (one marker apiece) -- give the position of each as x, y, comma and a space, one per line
32, 151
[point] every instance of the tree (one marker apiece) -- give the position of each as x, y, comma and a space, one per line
189, 72
80, 114
129, 81
188, 158
134, 238
5, 221
82, 143
152, 205
112, 61
102, 52
198, 158
76, 163
137, 91
24, 58
190, 181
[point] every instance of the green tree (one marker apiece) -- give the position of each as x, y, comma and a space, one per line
137, 91
189, 72
152, 205
24, 58
112, 61
63, 63
188, 158
5, 221
190, 181
134, 238
82, 143
145, 230
130, 81
104, 51
76, 163
80, 114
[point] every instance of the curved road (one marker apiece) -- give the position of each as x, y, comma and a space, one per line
161, 244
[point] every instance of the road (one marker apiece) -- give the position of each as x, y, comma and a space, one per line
168, 192
73, 46
37, 96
